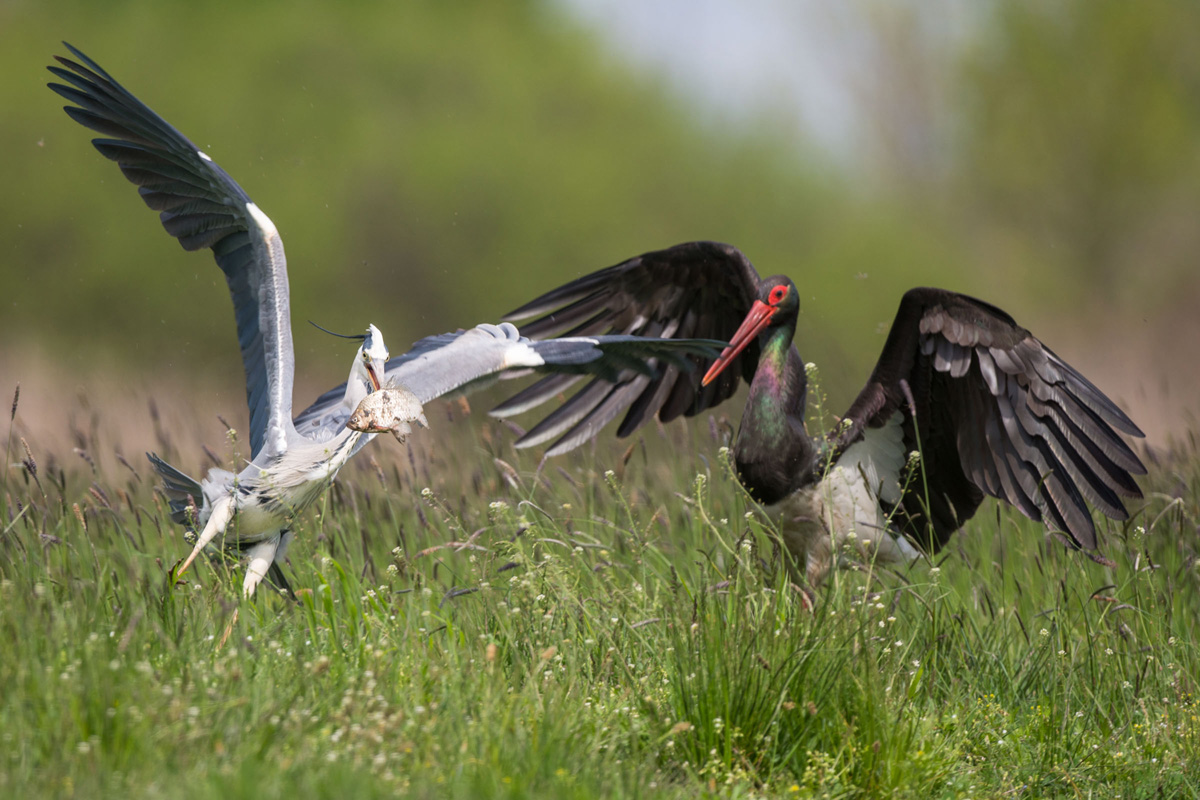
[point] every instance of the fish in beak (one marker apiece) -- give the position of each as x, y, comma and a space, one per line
388, 410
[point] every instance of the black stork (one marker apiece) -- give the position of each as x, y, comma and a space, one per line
962, 403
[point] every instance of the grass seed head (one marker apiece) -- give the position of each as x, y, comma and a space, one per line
29, 462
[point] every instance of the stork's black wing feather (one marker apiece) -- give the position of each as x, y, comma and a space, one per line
696, 289
994, 411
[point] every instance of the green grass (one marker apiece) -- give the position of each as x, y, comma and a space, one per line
629, 633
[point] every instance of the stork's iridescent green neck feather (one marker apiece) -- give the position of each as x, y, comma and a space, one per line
774, 452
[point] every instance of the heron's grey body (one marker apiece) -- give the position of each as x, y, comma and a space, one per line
262, 501
293, 462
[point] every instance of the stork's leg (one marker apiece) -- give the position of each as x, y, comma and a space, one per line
222, 513
262, 555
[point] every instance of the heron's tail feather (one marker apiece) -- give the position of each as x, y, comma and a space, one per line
178, 487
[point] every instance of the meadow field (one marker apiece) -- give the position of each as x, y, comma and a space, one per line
614, 623
472, 622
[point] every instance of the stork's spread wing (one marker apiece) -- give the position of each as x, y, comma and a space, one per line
700, 289
201, 206
997, 412
467, 360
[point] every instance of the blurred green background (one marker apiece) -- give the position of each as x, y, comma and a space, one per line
432, 165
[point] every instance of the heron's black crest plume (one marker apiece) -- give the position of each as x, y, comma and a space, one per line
358, 336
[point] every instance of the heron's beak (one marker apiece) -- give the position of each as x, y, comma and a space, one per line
759, 317
374, 376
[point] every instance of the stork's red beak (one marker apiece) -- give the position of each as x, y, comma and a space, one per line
373, 376
759, 317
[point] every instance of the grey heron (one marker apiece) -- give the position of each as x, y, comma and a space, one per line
293, 461
987, 408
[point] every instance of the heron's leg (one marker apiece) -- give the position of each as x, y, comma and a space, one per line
275, 574
277, 579
285, 540
262, 555
218, 520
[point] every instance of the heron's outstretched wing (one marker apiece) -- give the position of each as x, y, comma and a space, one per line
700, 289
467, 360
201, 206
996, 412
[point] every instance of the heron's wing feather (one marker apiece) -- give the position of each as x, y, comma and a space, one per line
202, 207
695, 289
467, 360
994, 411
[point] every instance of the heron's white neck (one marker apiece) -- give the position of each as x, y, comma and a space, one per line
357, 384
373, 355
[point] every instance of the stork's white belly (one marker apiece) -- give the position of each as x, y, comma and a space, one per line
842, 512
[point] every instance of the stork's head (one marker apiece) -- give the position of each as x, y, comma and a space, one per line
372, 357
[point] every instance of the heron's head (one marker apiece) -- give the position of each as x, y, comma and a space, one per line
372, 358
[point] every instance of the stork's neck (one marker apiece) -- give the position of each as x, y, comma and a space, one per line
774, 453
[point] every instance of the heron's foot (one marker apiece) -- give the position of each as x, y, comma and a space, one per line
261, 558
177, 571
174, 575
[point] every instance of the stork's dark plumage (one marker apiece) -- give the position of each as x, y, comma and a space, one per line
990, 409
